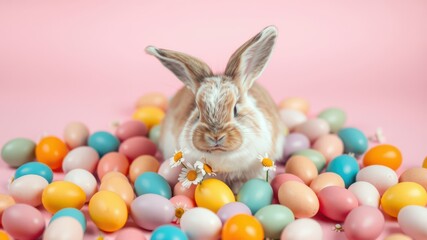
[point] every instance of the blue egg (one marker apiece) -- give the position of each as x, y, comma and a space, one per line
70, 212
346, 166
256, 194
36, 168
103, 142
354, 140
151, 182
168, 232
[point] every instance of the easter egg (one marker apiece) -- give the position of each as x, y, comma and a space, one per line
35, 168
326, 179
130, 233
384, 154
313, 128
51, 151
364, 222
153, 100
365, 193
142, 164
121, 187
62, 194
335, 117
336, 202
213, 194
256, 194
150, 116
150, 182
302, 229
231, 209
418, 175
5, 202
178, 189
154, 134
131, 128
150, 211
425, 162
329, 145
103, 142
75, 134
401, 195
112, 162
295, 142
84, 179
28, 189
299, 198
110, 175
170, 174
380, 176
292, 118
397, 236
4, 235
315, 156
274, 218
182, 204
168, 232
64, 228
412, 221
81, 157
346, 167
137, 146
70, 212
301, 167
296, 103
23, 221
18, 151
279, 179
242, 226
354, 140
108, 211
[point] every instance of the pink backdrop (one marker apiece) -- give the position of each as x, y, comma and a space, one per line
62, 61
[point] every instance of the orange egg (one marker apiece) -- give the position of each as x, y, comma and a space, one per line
242, 226
295, 103
51, 151
153, 100
298, 197
302, 167
384, 154
326, 179
121, 186
112, 162
150, 116
142, 164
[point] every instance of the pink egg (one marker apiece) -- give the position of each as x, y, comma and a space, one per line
279, 179
83, 157
181, 190
131, 128
336, 202
112, 162
183, 200
28, 189
170, 174
364, 222
75, 134
329, 145
313, 128
23, 221
130, 233
137, 146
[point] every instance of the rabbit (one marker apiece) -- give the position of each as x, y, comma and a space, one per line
227, 119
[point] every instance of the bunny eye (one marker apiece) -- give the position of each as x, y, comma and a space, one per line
235, 110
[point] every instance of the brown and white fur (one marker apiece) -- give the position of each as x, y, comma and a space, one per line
201, 116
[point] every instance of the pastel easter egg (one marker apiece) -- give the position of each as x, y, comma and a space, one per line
326, 179
295, 142
336, 202
51, 151
383, 154
346, 167
315, 156
110, 175
19, 227
296, 103
279, 179
274, 218
112, 162
83, 157
62, 194
108, 211
137, 146
302, 229
150, 182
354, 140
70, 212
154, 134
153, 100
380, 176
299, 198
150, 116
231, 209
335, 117
182, 204
131, 128
242, 226
36, 168
84, 179
103, 142
130, 233
181, 190
213, 194
425, 163
301, 167
76, 134
329, 145
64, 228
401, 195
170, 174
292, 117
201, 224
150, 211
168, 232
412, 221
397, 236
119, 186
142, 164
366, 193
418, 175
256, 194
313, 128
18, 151
28, 189
364, 222
5, 202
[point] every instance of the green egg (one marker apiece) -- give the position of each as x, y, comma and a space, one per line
274, 218
154, 134
315, 156
335, 117
18, 151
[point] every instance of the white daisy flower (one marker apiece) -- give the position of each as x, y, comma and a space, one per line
190, 175
267, 163
205, 168
177, 159
180, 209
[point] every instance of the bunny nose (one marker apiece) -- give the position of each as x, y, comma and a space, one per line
216, 140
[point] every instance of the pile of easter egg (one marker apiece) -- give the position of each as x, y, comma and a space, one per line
120, 182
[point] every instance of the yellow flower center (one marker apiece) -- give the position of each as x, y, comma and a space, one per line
177, 156
192, 175
267, 162
179, 212
207, 168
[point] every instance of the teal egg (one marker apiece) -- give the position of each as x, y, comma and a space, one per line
315, 156
154, 134
70, 212
335, 117
256, 194
18, 151
346, 166
168, 232
354, 140
274, 218
103, 142
36, 168
151, 182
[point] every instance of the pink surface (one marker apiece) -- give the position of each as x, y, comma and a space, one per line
62, 61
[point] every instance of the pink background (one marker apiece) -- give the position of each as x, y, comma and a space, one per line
62, 61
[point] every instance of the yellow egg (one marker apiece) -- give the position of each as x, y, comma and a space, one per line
401, 195
121, 187
62, 194
150, 116
108, 211
213, 194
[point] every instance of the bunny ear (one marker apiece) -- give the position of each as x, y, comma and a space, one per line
190, 70
249, 61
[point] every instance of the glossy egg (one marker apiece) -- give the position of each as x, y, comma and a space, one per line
365, 193
142, 164
35, 168
28, 189
150, 182
256, 194
150, 116
84, 179
5, 202
153, 100
154, 134
418, 175
168, 232
326, 179
380, 176
336, 202
75, 134
170, 174
364, 222
121, 187
64, 228
335, 117
313, 128
103, 142
401, 195
274, 218
112, 162
108, 211
242, 226
315, 156
51, 151
130, 233
329, 145
299, 198
354, 140
302, 229
301, 167
137, 146
296, 103
81, 157
295, 142
70, 212
230, 209
292, 117
19, 227
18, 151
346, 167
62, 194
384, 154
279, 179
412, 221
178, 189
150, 211
213, 194
131, 128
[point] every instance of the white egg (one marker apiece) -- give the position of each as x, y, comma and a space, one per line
83, 179
412, 220
313, 128
201, 224
81, 157
28, 189
64, 228
366, 193
292, 117
302, 229
380, 176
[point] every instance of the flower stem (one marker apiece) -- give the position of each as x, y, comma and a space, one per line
266, 176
